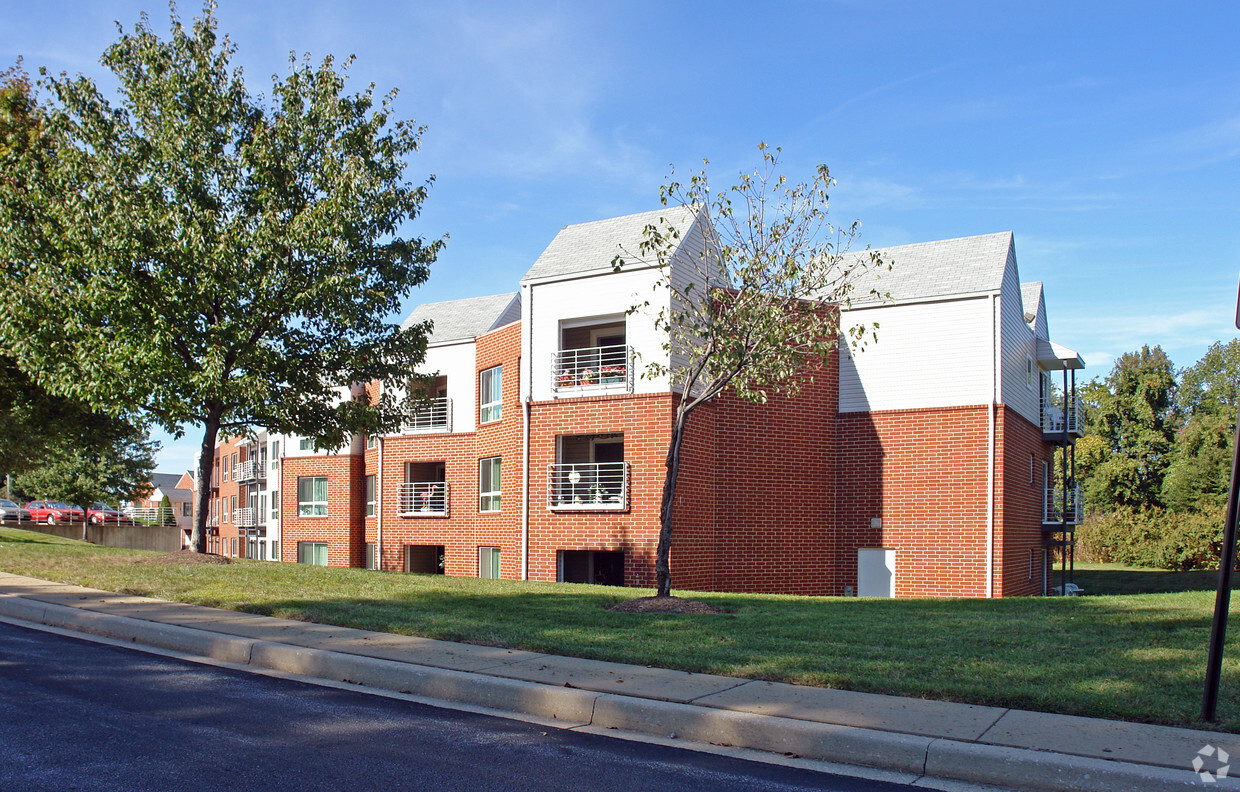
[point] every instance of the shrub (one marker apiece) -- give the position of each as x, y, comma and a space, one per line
1153, 537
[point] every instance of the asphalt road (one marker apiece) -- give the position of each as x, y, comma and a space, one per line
77, 715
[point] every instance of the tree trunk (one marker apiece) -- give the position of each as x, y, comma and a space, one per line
202, 502
662, 566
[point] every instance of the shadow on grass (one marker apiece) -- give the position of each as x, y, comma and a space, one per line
1128, 580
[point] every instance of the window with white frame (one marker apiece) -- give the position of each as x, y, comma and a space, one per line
372, 441
306, 444
490, 395
1029, 372
275, 454
370, 496
489, 486
312, 496
488, 562
314, 553
275, 504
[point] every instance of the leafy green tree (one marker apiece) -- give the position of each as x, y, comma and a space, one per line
205, 256
1134, 420
760, 308
1208, 396
93, 456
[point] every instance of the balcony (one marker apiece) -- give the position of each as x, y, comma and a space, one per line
1056, 420
603, 368
422, 499
249, 471
247, 518
432, 415
1055, 512
588, 486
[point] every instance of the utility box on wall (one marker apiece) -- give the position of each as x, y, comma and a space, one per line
876, 572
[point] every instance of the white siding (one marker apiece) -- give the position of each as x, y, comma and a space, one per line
688, 266
457, 362
927, 355
608, 295
1017, 348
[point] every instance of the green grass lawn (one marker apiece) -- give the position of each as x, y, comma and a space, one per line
1134, 656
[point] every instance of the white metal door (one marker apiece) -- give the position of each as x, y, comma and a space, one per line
876, 572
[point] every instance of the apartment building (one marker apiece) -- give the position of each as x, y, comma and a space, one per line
936, 462
243, 517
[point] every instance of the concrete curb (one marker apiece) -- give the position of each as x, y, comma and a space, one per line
918, 756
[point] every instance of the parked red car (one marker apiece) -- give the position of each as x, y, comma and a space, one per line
100, 513
52, 512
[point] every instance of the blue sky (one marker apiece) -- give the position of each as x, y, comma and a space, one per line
1105, 135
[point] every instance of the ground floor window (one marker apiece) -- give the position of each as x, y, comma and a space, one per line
312, 553
424, 559
233, 543
603, 567
488, 562
371, 561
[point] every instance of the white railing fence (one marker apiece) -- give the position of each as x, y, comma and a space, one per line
591, 367
422, 499
432, 415
1054, 418
588, 485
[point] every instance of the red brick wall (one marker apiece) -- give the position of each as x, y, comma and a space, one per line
1019, 506
923, 472
645, 421
464, 529
343, 529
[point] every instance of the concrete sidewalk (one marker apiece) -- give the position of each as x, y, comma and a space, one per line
921, 741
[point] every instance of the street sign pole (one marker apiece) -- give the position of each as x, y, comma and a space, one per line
1227, 562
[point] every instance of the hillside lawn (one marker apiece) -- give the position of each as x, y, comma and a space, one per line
1133, 648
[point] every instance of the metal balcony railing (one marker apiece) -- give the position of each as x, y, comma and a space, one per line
609, 367
434, 415
250, 470
1056, 419
152, 516
594, 486
422, 499
247, 518
1055, 510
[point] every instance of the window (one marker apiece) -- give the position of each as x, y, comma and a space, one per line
1031, 463
370, 496
312, 496
370, 556
372, 441
489, 485
306, 444
234, 466
187, 510
234, 548
232, 508
275, 454
488, 562
1029, 372
275, 550
275, 504
490, 395
314, 553
225, 469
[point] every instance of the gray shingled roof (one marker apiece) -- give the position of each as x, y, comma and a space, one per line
967, 265
1030, 296
589, 247
167, 483
468, 318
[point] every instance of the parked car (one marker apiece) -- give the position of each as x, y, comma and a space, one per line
11, 511
100, 513
52, 512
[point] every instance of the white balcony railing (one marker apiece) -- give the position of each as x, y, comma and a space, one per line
246, 518
422, 499
152, 516
594, 486
1056, 419
250, 470
1055, 510
433, 415
608, 368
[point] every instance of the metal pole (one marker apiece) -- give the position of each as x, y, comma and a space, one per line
1227, 562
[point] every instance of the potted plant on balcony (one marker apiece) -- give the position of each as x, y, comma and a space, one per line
609, 374
587, 377
565, 379
597, 492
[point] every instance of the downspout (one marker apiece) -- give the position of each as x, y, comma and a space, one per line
379, 510
527, 331
990, 451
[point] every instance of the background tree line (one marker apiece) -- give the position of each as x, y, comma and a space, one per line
1155, 461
